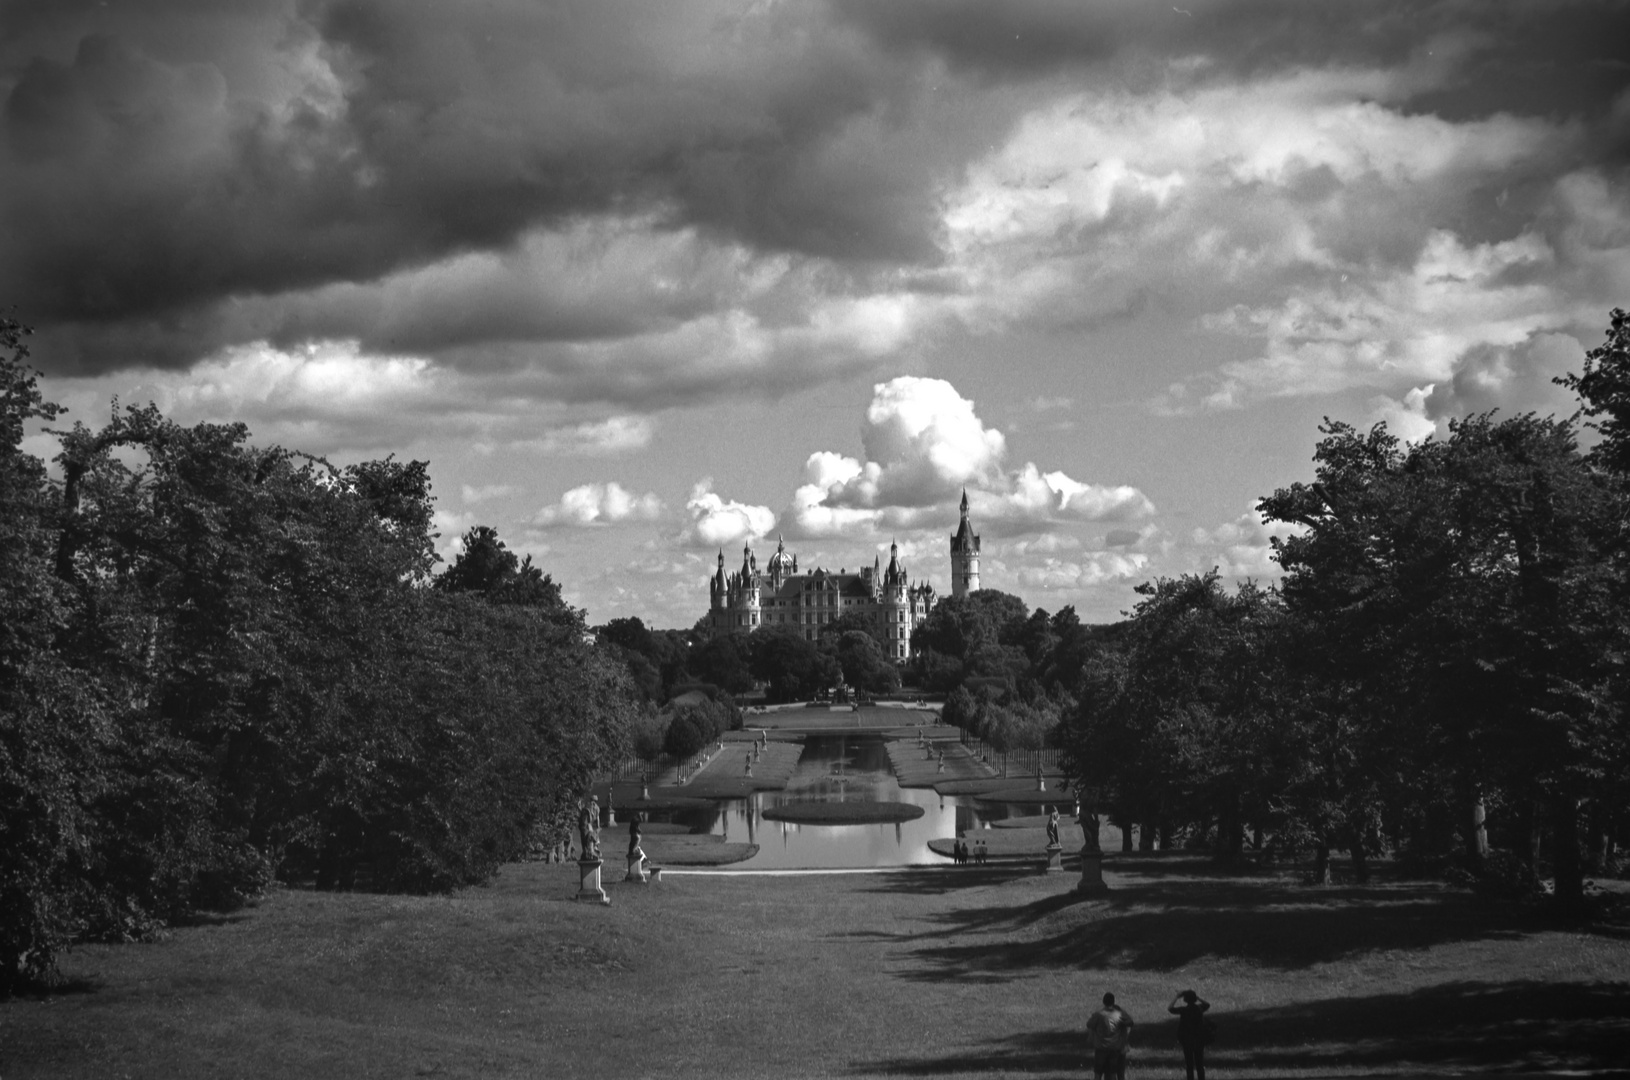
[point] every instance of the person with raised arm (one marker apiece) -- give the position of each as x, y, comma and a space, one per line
1190, 1010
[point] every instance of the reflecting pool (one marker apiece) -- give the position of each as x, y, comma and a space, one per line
839, 767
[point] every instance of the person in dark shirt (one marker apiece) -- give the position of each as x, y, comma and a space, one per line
1110, 1029
1190, 1011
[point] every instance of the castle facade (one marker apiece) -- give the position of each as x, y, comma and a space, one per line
781, 595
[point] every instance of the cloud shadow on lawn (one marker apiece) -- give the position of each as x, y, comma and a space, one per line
1455, 1026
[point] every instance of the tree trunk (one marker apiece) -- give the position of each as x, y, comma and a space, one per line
1596, 838
1361, 862
1126, 834
1321, 863
1146, 835
1565, 865
1477, 846
1256, 837
1229, 844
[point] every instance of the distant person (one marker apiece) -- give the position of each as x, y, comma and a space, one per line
1190, 1011
1111, 1031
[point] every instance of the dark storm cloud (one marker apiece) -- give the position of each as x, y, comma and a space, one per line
165, 161
1529, 57
183, 175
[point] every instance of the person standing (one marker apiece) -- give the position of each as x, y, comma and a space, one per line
1190, 1011
1111, 1031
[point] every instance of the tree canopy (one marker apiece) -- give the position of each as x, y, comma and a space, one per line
1446, 649
223, 663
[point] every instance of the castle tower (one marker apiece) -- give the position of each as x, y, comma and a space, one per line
895, 608
964, 555
746, 598
716, 586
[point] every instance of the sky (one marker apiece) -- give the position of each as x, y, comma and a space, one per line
644, 281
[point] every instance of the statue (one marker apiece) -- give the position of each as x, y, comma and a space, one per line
1052, 829
636, 854
588, 828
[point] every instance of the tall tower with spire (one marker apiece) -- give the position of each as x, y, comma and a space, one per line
964, 555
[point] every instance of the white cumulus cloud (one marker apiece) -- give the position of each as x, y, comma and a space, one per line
925, 445
600, 504
715, 521
1242, 547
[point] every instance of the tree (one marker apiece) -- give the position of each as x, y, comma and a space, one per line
724, 660
1466, 585
485, 566
219, 662
862, 661
1179, 719
1603, 387
692, 726
792, 667
852, 622
973, 636
55, 730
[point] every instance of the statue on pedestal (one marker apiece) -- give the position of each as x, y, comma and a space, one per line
1092, 856
588, 829
636, 854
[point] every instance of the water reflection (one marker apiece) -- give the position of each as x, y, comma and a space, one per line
845, 768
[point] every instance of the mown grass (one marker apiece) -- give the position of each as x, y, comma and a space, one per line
970, 973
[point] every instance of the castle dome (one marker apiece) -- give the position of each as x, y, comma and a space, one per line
780, 564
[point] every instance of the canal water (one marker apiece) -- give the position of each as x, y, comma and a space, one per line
841, 767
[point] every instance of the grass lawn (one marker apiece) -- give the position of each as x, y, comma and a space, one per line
969, 973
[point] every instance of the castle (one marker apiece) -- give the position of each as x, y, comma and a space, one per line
779, 595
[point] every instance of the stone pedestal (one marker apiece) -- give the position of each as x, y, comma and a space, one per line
589, 888
1092, 873
636, 867
1055, 858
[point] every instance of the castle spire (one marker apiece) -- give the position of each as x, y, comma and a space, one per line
964, 555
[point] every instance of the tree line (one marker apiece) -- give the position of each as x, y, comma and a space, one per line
223, 665
1440, 674
777, 659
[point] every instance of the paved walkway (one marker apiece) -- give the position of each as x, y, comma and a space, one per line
725, 774
918, 766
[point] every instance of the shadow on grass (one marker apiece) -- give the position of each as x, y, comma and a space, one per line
1453, 1027
211, 918
940, 880
57, 987
1276, 928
